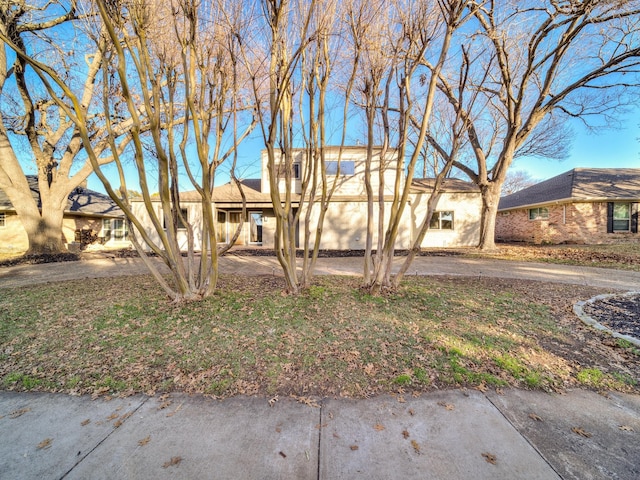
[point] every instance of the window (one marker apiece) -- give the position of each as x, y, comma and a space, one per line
2, 219
442, 221
181, 219
295, 174
120, 230
621, 217
541, 213
346, 167
115, 229
106, 229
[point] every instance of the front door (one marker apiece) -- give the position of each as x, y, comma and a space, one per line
255, 228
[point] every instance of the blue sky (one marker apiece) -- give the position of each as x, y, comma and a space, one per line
611, 148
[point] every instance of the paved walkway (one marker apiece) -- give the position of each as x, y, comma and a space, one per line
458, 434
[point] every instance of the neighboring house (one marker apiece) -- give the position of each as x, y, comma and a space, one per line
89, 217
583, 205
456, 222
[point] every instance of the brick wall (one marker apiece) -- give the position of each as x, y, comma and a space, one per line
569, 223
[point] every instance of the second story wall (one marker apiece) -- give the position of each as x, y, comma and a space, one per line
350, 167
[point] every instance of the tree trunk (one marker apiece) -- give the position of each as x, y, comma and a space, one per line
490, 199
44, 232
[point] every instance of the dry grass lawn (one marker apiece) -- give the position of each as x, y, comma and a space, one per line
120, 336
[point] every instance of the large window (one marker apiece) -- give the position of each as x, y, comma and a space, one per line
347, 167
621, 217
541, 213
2, 219
442, 221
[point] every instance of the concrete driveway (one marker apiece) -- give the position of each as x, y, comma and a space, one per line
22, 275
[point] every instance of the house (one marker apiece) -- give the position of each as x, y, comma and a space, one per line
583, 205
88, 217
456, 222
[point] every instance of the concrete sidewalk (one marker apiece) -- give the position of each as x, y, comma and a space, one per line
458, 434
23, 275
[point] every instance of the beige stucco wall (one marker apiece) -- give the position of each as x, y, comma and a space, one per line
194, 217
12, 235
346, 184
583, 222
466, 208
345, 225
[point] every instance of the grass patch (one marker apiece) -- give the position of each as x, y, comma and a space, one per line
120, 335
622, 256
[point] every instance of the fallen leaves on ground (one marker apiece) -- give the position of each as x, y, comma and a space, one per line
44, 444
378, 427
582, 432
535, 417
174, 461
447, 406
19, 412
490, 458
626, 428
416, 446
144, 441
103, 337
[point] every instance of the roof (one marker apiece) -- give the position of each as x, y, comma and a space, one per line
450, 185
579, 184
229, 193
81, 201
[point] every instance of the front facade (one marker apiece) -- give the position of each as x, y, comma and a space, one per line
581, 206
455, 224
89, 217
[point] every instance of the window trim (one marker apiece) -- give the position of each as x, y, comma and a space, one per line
627, 219
438, 215
540, 215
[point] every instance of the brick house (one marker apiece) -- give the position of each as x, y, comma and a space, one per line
582, 206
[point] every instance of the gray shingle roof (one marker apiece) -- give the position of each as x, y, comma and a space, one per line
81, 201
450, 185
579, 184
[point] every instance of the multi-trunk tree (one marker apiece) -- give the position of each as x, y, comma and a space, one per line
168, 70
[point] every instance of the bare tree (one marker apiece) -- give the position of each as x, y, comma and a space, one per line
291, 62
418, 43
535, 64
517, 180
177, 78
32, 122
